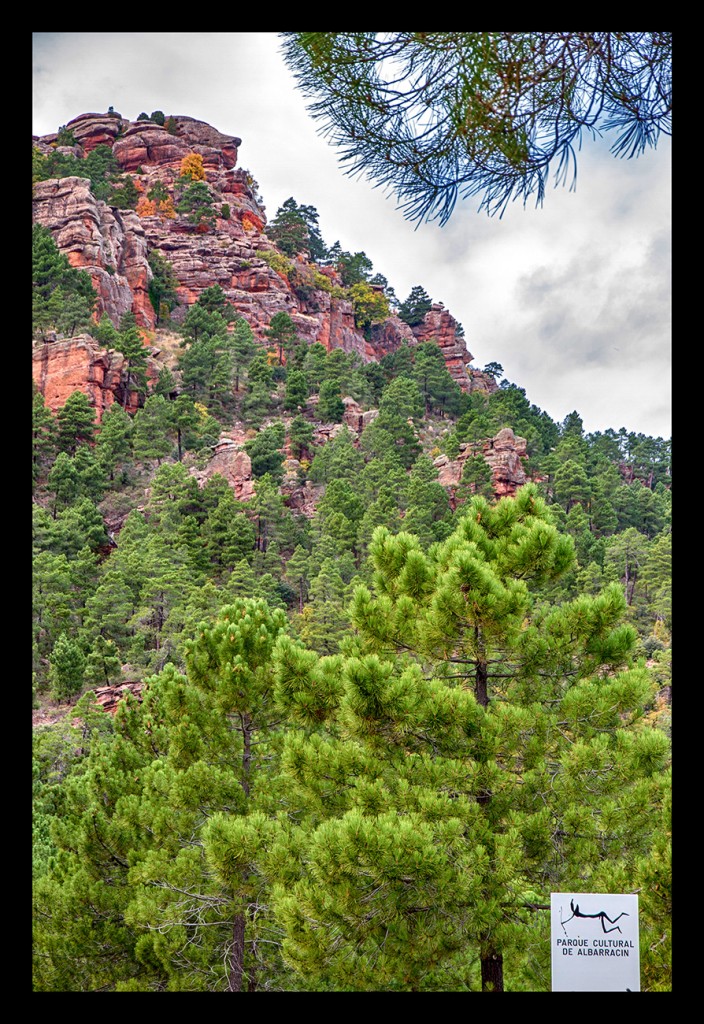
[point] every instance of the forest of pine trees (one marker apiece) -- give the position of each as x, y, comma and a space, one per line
371, 741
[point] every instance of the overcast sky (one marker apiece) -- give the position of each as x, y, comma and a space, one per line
572, 299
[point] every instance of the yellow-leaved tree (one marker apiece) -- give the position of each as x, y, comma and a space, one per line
192, 167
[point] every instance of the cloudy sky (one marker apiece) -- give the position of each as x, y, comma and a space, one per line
572, 299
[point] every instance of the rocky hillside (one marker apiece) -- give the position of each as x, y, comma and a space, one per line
113, 246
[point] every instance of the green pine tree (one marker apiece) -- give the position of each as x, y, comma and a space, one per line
483, 749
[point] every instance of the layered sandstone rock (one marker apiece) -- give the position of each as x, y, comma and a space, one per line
79, 364
504, 453
107, 243
109, 697
355, 417
112, 244
388, 336
441, 327
303, 498
231, 462
481, 381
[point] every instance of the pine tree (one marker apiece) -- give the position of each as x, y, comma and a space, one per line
296, 391
44, 431
67, 664
265, 452
243, 348
151, 430
163, 283
62, 482
228, 534
439, 390
103, 664
482, 750
216, 728
113, 443
129, 342
330, 408
76, 422
283, 333
435, 116
300, 437
295, 229
412, 311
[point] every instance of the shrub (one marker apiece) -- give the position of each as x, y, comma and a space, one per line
276, 261
65, 137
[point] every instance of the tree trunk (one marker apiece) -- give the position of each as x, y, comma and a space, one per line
492, 968
234, 981
481, 678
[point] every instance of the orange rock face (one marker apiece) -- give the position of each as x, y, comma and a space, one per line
108, 243
62, 367
113, 244
78, 364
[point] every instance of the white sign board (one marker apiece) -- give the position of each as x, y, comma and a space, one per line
594, 942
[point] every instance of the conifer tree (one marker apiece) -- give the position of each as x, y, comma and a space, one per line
62, 481
113, 443
300, 437
228, 535
412, 311
295, 229
482, 750
67, 665
44, 430
296, 390
217, 730
76, 422
163, 283
283, 334
435, 116
130, 343
103, 663
265, 452
330, 408
151, 430
243, 348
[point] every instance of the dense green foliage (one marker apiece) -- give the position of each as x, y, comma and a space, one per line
295, 229
381, 719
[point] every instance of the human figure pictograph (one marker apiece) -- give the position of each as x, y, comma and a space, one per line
602, 915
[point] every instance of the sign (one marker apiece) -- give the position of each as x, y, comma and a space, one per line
594, 942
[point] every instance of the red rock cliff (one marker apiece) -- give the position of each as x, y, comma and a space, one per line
235, 253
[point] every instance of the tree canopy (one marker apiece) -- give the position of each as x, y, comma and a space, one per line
437, 116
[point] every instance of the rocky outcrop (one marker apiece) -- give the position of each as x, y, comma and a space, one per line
504, 454
303, 498
109, 697
80, 364
232, 463
481, 381
108, 243
388, 336
145, 143
355, 417
441, 327
234, 253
